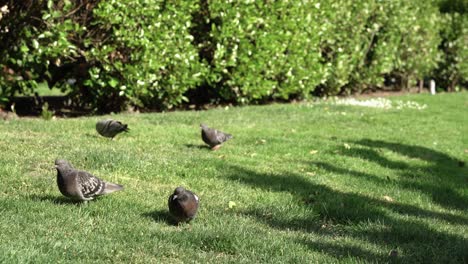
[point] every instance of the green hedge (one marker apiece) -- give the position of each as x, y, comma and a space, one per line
452, 71
264, 49
156, 53
148, 56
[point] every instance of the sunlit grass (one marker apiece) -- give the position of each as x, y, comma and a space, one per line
43, 90
299, 183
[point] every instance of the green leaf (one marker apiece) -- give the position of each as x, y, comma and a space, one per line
24, 48
113, 82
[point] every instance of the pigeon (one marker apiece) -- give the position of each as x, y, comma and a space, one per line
214, 138
81, 185
110, 128
183, 205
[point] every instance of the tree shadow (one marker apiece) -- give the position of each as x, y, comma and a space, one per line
440, 178
161, 216
342, 251
324, 206
402, 208
409, 150
372, 155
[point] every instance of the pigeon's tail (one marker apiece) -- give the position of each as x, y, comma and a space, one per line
112, 187
228, 136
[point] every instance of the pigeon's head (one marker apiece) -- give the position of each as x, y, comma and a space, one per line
178, 192
203, 126
60, 163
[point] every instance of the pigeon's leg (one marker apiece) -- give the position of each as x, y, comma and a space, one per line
216, 147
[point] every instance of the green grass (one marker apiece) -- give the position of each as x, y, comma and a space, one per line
311, 182
43, 90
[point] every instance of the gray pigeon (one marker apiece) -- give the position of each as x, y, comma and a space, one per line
214, 138
110, 128
81, 185
183, 205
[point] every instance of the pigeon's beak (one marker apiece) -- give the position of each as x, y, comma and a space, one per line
56, 166
174, 197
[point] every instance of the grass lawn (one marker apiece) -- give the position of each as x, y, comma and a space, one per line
43, 90
299, 183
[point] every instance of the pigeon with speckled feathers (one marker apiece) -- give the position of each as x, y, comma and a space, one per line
183, 205
214, 138
81, 185
110, 128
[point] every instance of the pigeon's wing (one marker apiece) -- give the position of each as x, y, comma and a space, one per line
176, 209
190, 206
102, 127
117, 126
209, 136
89, 184
169, 201
221, 136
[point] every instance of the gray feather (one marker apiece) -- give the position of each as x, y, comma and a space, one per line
110, 128
213, 137
81, 185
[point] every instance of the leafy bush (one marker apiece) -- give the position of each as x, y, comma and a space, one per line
346, 36
147, 56
263, 49
159, 54
369, 40
453, 69
111, 53
18, 67
418, 35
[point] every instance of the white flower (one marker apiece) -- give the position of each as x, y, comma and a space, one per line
4, 9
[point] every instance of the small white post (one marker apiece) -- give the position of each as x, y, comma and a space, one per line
432, 87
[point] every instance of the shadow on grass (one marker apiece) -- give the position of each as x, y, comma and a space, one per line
93, 135
406, 209
161, 216
353, 215
197, 146
55, 199
343, 251
440, 178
